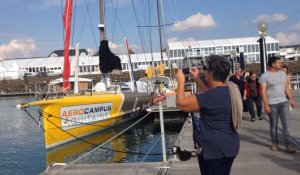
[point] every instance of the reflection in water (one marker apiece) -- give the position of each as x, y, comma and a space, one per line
138, 139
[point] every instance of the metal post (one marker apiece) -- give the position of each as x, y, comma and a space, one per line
159, 31
231, 61
263, 56
162, 130
76, 86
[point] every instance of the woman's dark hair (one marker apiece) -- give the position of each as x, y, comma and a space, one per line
219, 66
272, 60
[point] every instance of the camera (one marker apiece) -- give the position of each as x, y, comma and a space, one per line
186, 70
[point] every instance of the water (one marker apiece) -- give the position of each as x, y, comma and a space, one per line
22, 149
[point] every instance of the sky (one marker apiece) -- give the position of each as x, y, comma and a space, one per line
33, 28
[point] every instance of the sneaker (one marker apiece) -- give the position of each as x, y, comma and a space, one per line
252, 120
290, 149
260, 117
274, 147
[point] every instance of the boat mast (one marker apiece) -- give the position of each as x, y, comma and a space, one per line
101, 25
159, 31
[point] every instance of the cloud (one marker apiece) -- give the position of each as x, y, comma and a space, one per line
195, 22
18, 49
173, 39
288, 38
296, 27
277, 17
116, 48
120, 48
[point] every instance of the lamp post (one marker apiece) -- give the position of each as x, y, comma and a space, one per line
262, 28
232, 60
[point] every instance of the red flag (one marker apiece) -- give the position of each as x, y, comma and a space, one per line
67, 18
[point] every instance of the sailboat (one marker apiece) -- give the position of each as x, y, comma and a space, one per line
75, 115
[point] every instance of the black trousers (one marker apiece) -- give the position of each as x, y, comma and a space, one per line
220, 166
258, 104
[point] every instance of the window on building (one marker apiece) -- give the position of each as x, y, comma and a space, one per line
179, 53
249, 48
272, 46
268, 47
171, 53
276, 47
246, 49
253, 48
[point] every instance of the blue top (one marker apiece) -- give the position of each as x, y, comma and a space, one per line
214, 129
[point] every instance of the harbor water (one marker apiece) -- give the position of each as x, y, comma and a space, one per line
22, 149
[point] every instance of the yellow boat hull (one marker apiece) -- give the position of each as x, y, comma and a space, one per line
72, 117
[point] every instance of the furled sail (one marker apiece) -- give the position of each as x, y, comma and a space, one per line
107, 60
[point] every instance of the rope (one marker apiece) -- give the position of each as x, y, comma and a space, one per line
138, 23
34, 120
151, 148
101, 146
88, 11
74, 20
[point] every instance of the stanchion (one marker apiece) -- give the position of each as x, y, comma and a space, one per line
162, 130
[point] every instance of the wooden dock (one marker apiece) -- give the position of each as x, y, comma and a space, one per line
255, 157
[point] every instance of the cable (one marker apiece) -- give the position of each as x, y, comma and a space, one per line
150, 31
151, 148
34, 120
74, 19
62, 15
289, 17
88, 11
137, 21
101, 146
137, 153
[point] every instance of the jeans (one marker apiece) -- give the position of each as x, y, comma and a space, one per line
258, 104
281, 109
220, 166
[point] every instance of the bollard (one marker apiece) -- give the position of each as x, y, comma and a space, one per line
162, 130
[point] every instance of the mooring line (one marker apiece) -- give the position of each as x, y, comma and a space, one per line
101, 145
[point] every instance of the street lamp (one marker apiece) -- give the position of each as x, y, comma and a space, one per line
262, 29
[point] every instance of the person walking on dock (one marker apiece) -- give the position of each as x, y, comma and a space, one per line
252, 94
221, 111
275, 91
238, 79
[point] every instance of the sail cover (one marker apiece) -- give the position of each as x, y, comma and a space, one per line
67, 26
107, 60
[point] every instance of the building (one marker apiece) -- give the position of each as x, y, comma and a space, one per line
290, 53
89, 64
249, 46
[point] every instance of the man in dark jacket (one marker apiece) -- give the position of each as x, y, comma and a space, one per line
238, 79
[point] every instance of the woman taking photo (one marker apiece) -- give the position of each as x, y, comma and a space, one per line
220, 108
